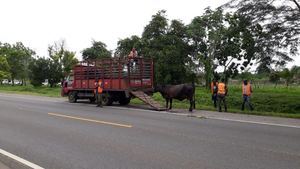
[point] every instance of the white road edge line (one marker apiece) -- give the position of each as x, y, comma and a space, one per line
215, 118
21, 160
254, 122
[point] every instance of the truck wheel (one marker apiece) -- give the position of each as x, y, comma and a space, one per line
124, 101
72, 97
106, 99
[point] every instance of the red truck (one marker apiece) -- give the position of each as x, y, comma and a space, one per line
123, 79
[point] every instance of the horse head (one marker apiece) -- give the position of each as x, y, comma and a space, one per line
159, 88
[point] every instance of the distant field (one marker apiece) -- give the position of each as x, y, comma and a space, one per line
41, 91
280, 101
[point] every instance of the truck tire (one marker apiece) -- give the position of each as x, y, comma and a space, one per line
73, 97
106, 99
124, 101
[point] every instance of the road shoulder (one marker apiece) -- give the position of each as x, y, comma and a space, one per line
245, 118
3, 166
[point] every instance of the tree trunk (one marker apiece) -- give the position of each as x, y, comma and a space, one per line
208, 73
12, 81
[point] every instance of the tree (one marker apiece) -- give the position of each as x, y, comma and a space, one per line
274, 78
61, 62
204, 34
221, 41
277, 25
168, 46
68, 61
175, 62
18, 57
4, 69
97, 51
153, 36
287, 75
237, 47
296, 72
265, 66
153, 39
55, 74
39, 71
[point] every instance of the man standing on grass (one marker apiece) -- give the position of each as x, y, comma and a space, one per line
222, 92
247, 91
214, 91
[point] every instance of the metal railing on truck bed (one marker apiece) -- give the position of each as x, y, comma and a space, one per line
116, 73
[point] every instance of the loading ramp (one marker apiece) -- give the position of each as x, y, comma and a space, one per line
148, 100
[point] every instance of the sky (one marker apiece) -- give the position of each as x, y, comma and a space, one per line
40, 23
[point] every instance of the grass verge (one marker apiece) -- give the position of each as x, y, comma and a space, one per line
268, 101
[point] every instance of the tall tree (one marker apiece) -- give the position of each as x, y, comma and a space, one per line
296, 72
18, 57
68, 61
221, 41
97, 51
205, 35
274, 77
39, 70
287, 75
61, 62
153, 35
175, 62
4, 69
278, 27
168, 46
55, 74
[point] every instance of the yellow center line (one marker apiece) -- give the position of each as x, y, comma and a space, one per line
90, 120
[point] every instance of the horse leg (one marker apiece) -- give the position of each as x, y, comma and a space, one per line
170, 104
191, 105
167, 103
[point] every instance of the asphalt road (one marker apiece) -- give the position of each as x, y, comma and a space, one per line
53, 133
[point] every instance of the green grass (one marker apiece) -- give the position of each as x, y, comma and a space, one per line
269, 101
30, 90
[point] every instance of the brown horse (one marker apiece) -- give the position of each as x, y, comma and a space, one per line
179, 92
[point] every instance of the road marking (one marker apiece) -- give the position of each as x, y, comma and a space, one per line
19, 159
173, 113
254, 122
205, 117
90, 120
